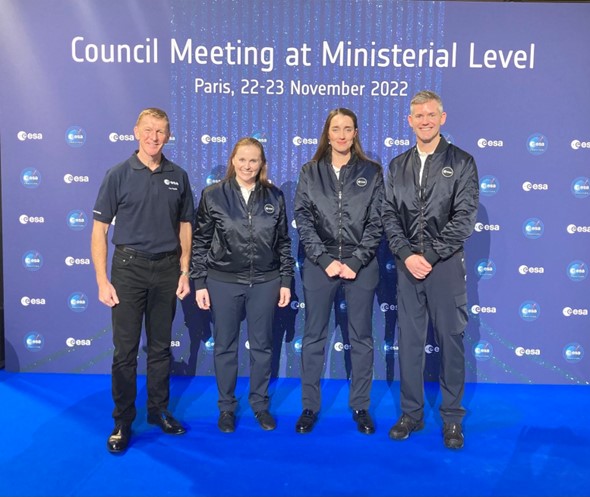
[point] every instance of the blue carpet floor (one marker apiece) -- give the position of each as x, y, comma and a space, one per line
521, 440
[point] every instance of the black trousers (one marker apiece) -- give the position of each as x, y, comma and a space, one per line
442, 296
229, 302
146, 289
319, 291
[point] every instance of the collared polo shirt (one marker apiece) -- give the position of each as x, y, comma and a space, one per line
148, 205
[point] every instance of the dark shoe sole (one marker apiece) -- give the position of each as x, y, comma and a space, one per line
180, 431
304, 429
116, 451
454, 446
366, 430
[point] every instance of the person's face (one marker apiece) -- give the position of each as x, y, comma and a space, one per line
247, 162
426, 120
341, 133
152, 134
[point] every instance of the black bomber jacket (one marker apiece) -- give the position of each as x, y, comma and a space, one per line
340, 218
435, 218
241, 243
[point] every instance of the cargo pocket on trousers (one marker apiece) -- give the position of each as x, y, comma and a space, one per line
461, 315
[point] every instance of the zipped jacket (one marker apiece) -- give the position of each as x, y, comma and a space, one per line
241, 242
433, 218
340, 218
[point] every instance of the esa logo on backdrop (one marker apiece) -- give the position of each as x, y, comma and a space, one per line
480, 309
572, 229
24, 136
298, 141
573, 352
570, 311
479, 227
577, 271
71, 178
577, 144
484, 143
30, 177
78, 302
210, 345
24, 219
483, 350
390, 348
581, 187
521, 352
27, 301
485, 269
489, 186
77, 261
341, 347
529, 310
207, 139
533, 228
260, 136
77, 220
75, 136
297, 345
524, 269
537, 144
527, 186
32, 260
34, 341
396, 142
119, 137
78, 342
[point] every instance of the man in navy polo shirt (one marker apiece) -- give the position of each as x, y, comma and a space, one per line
153, 203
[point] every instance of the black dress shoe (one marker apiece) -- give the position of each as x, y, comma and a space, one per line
306, 421
453, 436
227, 421
265, 420
119, 439
404, 426
167, 422
363, 420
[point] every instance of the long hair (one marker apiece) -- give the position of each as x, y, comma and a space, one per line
324, 145
262, 176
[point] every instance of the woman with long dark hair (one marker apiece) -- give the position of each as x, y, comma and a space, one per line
338, 215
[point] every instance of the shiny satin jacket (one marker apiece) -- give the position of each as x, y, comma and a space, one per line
340, 218
241, 243
435, 218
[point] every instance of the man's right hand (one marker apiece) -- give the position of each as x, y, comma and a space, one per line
107, 294
418, 266
202, 298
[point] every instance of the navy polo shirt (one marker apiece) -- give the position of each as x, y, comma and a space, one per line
148, 205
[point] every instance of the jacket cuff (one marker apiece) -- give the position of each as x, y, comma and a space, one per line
325, 260
200, 284
404, 252
431, 256
286, 282
353, 263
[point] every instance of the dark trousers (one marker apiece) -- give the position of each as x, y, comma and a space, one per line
229, 301
145, 289
319, 291
443, 297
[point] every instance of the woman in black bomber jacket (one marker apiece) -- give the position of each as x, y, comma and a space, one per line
338, 215
241, 260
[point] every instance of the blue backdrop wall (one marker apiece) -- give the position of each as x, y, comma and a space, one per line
514, 80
